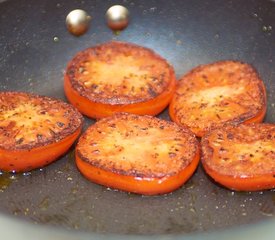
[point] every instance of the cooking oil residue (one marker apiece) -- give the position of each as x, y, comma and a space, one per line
190, 184
267, 210
6, 180
267, 28
179, 42
71, 156
116, 32
69, 163
56, 39
273, 199
152, 9
44, 204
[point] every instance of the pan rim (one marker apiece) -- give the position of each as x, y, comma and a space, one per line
30, 231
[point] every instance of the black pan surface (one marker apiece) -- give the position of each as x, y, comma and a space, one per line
35, 47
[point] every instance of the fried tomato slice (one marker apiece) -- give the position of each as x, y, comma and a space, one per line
140, 154
215, 94
35, 130
241, 157
119, 77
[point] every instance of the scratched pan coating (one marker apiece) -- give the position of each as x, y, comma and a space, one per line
35, 48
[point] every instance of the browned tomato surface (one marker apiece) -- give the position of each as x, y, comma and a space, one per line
241, 157
34, 130
223, 92
119, 77
139, 154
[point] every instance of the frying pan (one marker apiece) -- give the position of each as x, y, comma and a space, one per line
56, 202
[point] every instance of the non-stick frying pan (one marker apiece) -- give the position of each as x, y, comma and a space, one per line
35, 48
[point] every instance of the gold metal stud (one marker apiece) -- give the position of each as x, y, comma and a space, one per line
117, 17
77, 22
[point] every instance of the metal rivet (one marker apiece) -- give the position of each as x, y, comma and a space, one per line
117, 17
77, 22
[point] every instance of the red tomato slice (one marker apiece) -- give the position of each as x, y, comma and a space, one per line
139, 154
241, 157
220, 93
35, 130
119, 77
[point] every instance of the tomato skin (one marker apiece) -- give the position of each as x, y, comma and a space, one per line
261, 114
145, 186
26, 160
252, 183
99, 110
